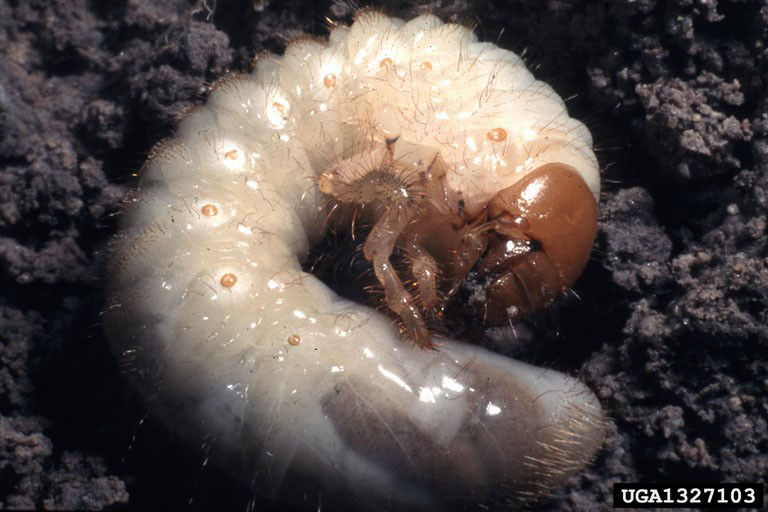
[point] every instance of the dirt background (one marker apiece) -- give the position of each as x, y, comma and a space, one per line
670, 330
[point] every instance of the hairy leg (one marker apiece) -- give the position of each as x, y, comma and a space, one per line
378, 250
424, 270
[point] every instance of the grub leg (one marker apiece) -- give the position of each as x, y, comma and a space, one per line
425, 272
378, 250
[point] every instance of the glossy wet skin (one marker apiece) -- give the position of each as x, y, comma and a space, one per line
528, 244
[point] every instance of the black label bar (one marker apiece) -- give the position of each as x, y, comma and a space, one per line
688, 495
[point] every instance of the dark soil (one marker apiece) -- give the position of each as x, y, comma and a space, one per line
671, 328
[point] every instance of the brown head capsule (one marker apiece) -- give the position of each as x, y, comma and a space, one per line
543, 230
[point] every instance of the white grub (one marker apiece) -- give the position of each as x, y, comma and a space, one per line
296, 387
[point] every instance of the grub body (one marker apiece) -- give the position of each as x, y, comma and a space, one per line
295, 389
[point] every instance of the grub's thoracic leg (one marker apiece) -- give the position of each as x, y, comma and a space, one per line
378, 249
425, 272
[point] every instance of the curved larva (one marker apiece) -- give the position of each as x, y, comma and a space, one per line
298, 388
